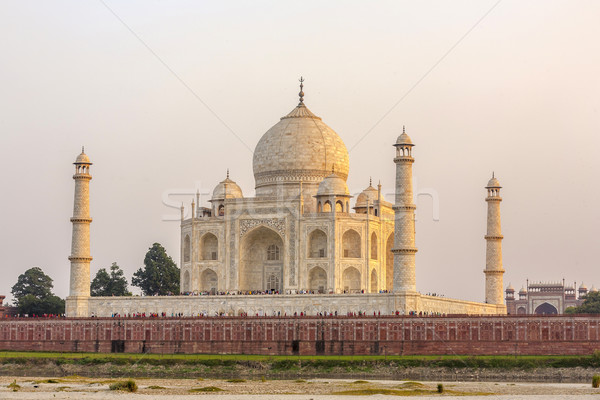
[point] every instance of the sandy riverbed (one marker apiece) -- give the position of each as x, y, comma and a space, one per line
316, 389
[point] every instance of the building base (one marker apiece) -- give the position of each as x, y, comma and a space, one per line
280, 305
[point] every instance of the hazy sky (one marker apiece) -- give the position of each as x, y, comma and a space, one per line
518, 95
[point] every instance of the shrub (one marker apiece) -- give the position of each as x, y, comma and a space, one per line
129, 386
440, 388
596, 381
207, 389
236, 380
14, 386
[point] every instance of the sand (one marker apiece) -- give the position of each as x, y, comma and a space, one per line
316, 389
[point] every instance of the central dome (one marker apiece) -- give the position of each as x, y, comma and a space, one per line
299, 148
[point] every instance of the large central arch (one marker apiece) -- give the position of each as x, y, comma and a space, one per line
261, 260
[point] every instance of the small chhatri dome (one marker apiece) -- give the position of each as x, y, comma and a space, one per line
404, 139
593, 289
523, 290
369, 194
582, 286
227, 189
510, 288
333, 185
493, 183
82, 158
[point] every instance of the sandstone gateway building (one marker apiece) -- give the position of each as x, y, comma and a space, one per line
300, 240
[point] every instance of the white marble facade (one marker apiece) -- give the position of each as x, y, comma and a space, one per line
298, 233
302, 243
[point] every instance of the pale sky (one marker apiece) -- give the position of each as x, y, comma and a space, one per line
516, 92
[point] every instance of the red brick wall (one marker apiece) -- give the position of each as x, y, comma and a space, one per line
309, 335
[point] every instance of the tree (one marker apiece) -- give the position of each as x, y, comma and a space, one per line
160, 275
33, 294
114, 284
591, 305
34, 282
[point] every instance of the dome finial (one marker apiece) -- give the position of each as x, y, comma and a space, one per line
370, 181
301, 94
403, 129
82, 149
227, 173
493, 174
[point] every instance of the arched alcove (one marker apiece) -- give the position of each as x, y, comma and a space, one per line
186, 248
317, 280
374, 246
209, 281
546, 309
261, 260
186, 282
373, 281
317, 244
351, 244
351, 280
209, 245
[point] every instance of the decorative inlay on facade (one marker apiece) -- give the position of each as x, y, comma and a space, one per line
292, 265
278, 224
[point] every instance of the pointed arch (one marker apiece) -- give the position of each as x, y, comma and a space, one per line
186, 282
317, 280
209, 281
209, 247
351, 246
339, 206
373, 281
374, 246
546, 309
187, 248
317, 244
327, 207
261, 259
351, 280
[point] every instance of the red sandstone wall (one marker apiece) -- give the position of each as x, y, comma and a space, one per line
309, 335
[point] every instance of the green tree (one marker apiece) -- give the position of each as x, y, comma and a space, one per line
591, 305
34, 282
160, 275
33, 294
113, 284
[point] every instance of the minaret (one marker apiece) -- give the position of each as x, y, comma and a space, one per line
404, 230
80, 258
493, 255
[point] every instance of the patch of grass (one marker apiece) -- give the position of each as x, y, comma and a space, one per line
440, 388
48, 381
411, 385
300, 381
236, 380
156, 387
206, 389
389, 392
128, 386
14, 386
360, 382
596, 381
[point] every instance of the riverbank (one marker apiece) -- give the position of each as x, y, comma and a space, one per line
76, 387
560, 369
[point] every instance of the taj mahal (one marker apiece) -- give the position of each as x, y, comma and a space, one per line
302, 244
